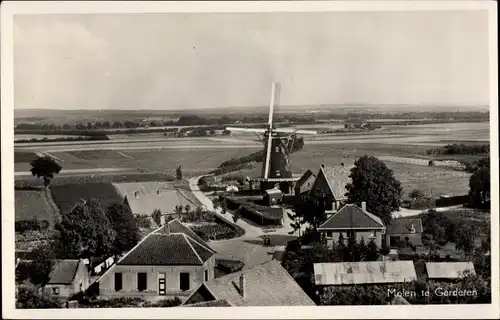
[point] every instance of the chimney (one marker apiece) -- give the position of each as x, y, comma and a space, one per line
363, 205
242, 286
136, 194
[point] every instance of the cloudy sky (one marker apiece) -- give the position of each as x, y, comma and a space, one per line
181, 61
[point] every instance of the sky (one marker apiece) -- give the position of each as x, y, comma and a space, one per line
203, 60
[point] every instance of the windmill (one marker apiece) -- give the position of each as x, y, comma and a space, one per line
278, 144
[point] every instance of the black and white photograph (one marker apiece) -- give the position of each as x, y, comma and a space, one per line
320, 155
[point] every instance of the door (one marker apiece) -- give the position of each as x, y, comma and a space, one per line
162, 284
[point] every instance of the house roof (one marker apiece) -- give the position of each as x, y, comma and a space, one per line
304, 178
273, 191
337, 177
214, 303
145, 197
351, 216
63, 271
401, 226
172, 244
366, 272
399, 300
448, 270
267, 284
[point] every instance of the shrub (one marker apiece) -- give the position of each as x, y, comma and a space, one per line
31, 225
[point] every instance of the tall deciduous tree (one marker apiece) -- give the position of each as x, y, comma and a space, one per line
45, 167
86, 231
124, 224
374, 183
479, 183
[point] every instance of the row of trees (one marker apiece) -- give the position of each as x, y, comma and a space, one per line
455, 149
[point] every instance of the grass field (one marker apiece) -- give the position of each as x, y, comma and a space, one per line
33, 204
66, 196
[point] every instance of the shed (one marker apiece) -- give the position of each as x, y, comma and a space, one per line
273, 196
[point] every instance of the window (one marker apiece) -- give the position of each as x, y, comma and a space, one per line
142, 281
118, 281
184, 281
373, 234
55, 291
206, 275
350, 233
329, 234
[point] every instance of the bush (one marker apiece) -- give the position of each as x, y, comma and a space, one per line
31, 225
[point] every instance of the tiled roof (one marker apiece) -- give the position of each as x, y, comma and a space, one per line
214, 303
63, 271
352, 216
448, 270
347, 273
337, 178
401, 226
178, 246
399, 300
147, 199
267, 284
304, 178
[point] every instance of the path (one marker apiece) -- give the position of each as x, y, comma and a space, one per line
403, 212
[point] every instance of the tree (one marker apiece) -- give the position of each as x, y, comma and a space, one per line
374, 183
157, 216
45, 167
178, 173
416, 194
363, 250
297, 221
125, 226
86, 231
480, 188
372, 252
465, 238
187, 208
311, 213
41, 264
212, 131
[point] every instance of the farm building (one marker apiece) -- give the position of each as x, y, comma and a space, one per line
304, 185
145, 197
267, 284
273, 197
366, 272
67, 278
170, 261
328, 188
404, 230
352, 220
448, 270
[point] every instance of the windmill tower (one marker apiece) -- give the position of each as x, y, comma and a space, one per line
278, 143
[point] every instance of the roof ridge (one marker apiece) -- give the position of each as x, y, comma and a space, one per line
190, 245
